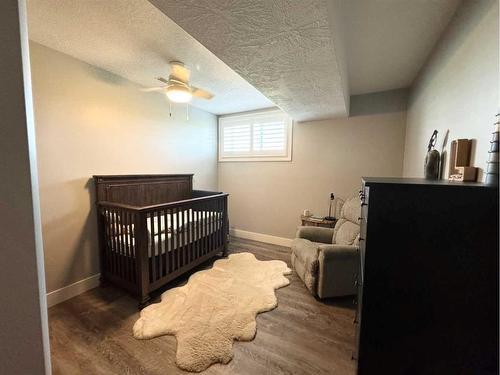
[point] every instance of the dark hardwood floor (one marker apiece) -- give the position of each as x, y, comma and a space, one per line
92, 333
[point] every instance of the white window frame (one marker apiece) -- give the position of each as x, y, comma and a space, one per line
254, 155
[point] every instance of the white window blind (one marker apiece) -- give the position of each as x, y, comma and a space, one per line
255, 136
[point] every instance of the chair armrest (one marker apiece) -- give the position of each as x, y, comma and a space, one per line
328, 252
315, 234
338, 269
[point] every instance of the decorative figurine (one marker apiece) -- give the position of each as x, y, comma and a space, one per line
432, 159
460, 168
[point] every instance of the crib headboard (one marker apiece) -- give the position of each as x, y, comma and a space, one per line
143, 190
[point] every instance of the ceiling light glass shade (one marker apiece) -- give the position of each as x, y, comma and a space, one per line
179, 94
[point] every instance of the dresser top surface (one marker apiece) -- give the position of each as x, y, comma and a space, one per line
422, 181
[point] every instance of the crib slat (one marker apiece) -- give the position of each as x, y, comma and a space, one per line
199, 230
209, 239
133, 246
122, 250
165, 244
126, 245
114, 246
210, 227
153, 247
195, 232
177, 239
216, 232
123, 231
187, 237
214, 225
131, 237
207, 229
111, 242
160, 244
118, 244
183, 237
217, 226
187, 245
190, 235
219, 210
172, 244
209, 235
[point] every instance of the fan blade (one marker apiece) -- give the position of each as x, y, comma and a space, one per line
160, 88
179, 71
200, 93
161, 79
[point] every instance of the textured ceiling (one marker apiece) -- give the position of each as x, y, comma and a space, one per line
284, 48
135, 40
387, 41
305, 56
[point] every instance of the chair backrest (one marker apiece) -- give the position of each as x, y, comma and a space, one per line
346, 230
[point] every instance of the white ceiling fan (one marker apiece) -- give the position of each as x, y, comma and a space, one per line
178, 89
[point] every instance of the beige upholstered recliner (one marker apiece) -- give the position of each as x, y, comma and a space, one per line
327, 260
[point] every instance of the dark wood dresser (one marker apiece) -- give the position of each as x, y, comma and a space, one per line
428, 281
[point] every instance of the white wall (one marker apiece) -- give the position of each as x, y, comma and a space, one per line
457, 90
24, 339
89, 121
328, 156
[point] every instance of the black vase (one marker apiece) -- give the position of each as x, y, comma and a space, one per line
431, 167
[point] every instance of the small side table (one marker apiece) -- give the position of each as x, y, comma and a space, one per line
315, 222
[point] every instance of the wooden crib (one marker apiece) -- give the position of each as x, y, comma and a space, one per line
154, 228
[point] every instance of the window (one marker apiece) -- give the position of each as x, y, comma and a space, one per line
258, 136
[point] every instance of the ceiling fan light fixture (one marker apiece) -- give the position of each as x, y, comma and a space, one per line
179, 94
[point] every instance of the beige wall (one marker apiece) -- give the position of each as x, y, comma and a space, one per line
24, 338
89, 121
458, 87
328, 156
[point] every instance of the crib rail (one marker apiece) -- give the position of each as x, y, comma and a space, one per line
142, 248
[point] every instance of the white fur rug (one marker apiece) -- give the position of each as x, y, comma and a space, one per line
214, 308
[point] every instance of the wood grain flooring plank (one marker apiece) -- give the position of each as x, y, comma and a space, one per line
92, 333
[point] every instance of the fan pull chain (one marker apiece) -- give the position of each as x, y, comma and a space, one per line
170, 108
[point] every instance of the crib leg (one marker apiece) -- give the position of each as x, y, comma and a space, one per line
102, 281
144, 301
225, 247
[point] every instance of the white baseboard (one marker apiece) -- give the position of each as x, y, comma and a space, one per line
267, 238
70, 291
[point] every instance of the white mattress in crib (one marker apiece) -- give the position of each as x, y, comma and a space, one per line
175, 233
